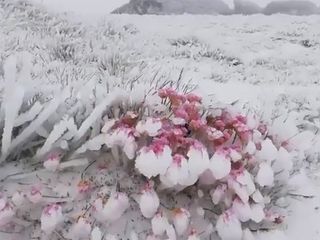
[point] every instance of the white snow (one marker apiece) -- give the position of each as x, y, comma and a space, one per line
150, 126
198, 161
51, 217
181, 220
159, 224
229, 227
265, 176
150, 164
242, 210
149, 203
268, 151
220, 165
113, 209
277, 75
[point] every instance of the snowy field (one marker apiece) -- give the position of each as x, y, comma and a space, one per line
64, 69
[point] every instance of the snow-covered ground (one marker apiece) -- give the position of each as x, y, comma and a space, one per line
270, 63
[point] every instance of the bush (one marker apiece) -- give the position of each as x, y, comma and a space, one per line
229, 158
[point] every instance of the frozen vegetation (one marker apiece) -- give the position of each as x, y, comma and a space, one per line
188, 127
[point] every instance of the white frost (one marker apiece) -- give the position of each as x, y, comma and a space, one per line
113, 209
177, 173
198, 160
96, 234
218, 193
181, 219
265, 176
80, 230
51, 217
268, 151
241, 210
150, 164
229, 227
159, 224
149, 203
151, 127
220, 165
257, 212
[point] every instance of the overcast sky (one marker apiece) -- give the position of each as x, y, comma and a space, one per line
84, 6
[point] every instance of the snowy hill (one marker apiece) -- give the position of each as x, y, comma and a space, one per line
245, 7
174, 7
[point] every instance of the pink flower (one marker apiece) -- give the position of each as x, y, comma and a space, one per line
214, 134
193, 235
6, 211
219, 124
198, 159
262, 128
84, 186
242, 210
35, 195
240, 190
197, 124
181, 219
123, 137
149, 202
181, 113
159, 224
193, 98
52, 162
175, 98
177, 173
167, 92
193, 110
241, 119
111, 209
220, 164
218, 193
229, 227
154, 160
51, 217
151, 127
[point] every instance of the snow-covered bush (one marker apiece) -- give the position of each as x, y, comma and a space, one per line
199, 169
192, 47
233, 159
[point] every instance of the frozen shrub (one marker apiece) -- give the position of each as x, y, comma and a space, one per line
232, 157
63, 52
170, 161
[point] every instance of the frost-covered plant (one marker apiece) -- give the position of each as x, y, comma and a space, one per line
233, 158
190, 170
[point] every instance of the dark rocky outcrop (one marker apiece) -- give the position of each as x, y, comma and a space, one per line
214, 7
175, 7
291, 7
140, 7
246, 7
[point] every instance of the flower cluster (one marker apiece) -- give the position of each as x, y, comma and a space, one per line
230, 154
190, 172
